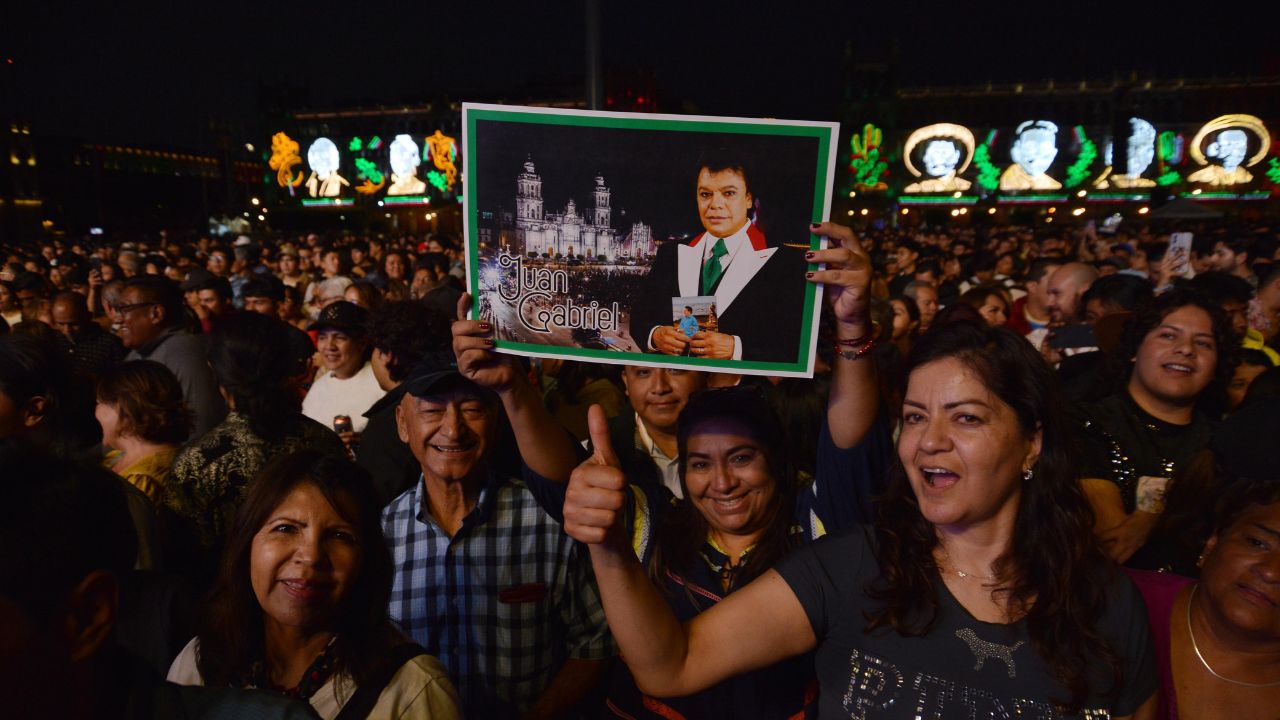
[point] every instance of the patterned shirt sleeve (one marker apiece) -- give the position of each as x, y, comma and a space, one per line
587, 636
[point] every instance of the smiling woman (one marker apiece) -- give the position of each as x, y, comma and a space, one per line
300, 604
1136, 440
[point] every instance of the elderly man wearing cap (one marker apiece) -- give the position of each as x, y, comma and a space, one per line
347, 387
485, 578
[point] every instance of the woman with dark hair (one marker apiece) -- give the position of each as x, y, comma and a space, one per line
300, 602
394, 266
979, 589
250, 356
906, 324
990, 302
1134, 441
42, 402
1217, 640
144, 421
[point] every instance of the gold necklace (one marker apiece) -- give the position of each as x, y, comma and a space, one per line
960, 573
1204, 662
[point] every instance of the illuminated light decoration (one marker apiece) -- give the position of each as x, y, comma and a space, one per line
284, 156
1143, 210
991, 211
906, 210
1119, 197
408, 200
1031, 199
438, 180
1197, 191
1227, 195
1273, 170
374, 143
864, 211
988, 174
850, 213
1033, 151
1169, 150
404, 168
1142, 151
942, 158
938, 200
1078, 171
356, 145
373, 178
443, 152
327, 202
323, 158
865, 162
1230, 147
1078, 212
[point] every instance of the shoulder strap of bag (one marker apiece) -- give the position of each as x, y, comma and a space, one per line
366, 696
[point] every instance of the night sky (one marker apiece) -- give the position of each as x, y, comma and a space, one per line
153, 75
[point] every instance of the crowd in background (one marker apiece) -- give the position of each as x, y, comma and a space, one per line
283, 463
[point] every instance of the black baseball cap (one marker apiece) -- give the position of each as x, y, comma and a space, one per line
196, 279
437, 374
342, 315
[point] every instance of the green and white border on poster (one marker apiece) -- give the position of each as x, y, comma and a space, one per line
659, 240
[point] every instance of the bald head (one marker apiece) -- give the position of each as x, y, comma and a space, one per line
70, 314
1066, 285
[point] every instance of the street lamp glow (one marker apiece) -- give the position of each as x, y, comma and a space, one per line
865, 211
256, 201
1082, 193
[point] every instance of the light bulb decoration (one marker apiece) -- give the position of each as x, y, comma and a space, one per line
988, 173
865, 162
947, 152
1078, 171
373, 178
1226, 140
284, 156
442, 150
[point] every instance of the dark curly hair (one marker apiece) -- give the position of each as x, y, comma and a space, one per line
411, 333
148, 398
1057, 574
252, 361
233, 639
1149, 315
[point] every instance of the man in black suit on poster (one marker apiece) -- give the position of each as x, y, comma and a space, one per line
759, 289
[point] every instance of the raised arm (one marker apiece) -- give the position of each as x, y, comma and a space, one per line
545, 447
666, 658
854, 398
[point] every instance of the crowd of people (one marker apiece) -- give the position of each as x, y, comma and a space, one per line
289, 477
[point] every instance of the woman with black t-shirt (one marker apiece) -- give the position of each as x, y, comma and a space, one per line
979, 591
1134, 441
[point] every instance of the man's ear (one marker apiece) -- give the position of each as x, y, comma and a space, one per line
402, 425
33, 411
157, 313
91, 615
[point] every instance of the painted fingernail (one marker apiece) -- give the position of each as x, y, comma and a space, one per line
808, 256
488, 341
815, 225
809, 276
484, 326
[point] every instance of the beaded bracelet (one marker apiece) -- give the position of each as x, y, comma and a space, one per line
855, 354
875, 330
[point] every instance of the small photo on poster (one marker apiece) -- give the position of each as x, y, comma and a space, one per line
590, 233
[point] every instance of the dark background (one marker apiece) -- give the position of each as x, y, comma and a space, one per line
651, 173
158, 74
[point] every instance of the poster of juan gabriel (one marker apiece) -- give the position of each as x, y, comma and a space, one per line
662, 240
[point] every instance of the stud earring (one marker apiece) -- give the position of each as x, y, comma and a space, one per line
1028, 474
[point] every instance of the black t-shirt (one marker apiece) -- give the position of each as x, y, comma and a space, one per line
963, 668
1122, 443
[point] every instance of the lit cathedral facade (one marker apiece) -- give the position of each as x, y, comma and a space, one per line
570, 232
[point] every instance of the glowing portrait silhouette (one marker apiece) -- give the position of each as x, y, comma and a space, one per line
948, 150
1141, 146
1033, 151
323, 158
404, 168
1222, 147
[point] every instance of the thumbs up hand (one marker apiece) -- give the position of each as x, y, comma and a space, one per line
596, 496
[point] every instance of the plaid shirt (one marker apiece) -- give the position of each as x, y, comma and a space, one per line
503, 603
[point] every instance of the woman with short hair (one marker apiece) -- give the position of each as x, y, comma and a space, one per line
144, 421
